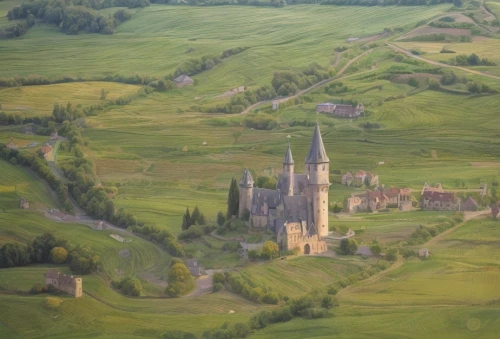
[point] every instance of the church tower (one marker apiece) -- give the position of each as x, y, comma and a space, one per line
246, 191
317, 170
288, 173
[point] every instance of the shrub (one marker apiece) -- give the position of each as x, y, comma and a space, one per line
348, 246
59, 255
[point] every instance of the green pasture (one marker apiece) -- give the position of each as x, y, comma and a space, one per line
156, 39
301, 275
40, 100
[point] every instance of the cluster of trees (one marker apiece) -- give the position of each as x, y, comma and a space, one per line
130, 286
260, 121
180, 280
423, 234
74, 16
477, 88
158, 236
348, 246
205, 63
263, 181
440, 37
35, 80
269, 250
336, 88
196, 231
47, 248
19, 119
18, 29
236, 283
68, 112
197, 218
472, 60
266, 3
290, 82
370, 125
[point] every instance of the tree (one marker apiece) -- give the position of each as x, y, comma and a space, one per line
348, 246
270, 249
233, 199
180, 281
30, 20
104, 93
253, 255
392, 254
236, 135
186, 220
195, 217
329, 302
59, 255
375, 248
221, 219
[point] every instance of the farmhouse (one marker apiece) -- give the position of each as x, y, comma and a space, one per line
65, 283
341, 110
194, 268
183, 80
441, 201
379, 199
28, 130
24, 203
298, 209
423, 253
54, 135
44, 150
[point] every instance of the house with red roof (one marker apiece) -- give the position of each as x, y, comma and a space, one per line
439, 201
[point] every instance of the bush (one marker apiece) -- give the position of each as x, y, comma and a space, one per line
129, 286
348, 246
59, 255
180, 281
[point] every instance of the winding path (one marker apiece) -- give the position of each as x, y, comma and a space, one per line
437, 63
319, 84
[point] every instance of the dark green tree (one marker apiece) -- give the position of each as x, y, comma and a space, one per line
233, 199
221, 219
195, 217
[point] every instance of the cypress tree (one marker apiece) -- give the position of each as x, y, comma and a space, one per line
233, 199
202, 220
186, 220
221, 219
195, 217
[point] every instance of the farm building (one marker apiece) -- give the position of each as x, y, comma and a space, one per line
341, 110
45, 150
28, 130
276, 105
183, 80
379, 199
469, 205
65, 283
54, 135
24, 204
194, 268
423, 253
440, 201
347, 179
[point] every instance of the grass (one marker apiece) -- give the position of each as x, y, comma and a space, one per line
40, 100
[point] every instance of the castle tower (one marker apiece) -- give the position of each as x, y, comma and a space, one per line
317, 170
288, 173
246, 190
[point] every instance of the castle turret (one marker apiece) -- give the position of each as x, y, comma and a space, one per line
287, 183
246, 190
317, 170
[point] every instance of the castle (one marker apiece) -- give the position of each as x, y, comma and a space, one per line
65, 283
298, 209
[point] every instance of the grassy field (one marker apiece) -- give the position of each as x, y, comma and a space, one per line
40, 100
153, 150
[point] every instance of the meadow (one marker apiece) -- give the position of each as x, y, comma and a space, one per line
164, 155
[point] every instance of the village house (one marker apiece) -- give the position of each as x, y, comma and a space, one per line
298, 209
44, 150
194, 268
469, 205
183, 80
341, 110
54, 135
24, 203
65, 283
379, 199
28, 130
360, 178
440, 201
423, 253
276, 105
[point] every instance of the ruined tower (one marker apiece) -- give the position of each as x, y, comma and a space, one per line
317, 170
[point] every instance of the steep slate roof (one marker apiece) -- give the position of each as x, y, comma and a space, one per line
288, 156
52, 274
67, 280
263, 199
295, 208
246, 180
317, 153
300, 183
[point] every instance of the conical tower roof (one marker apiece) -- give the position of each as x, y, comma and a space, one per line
317, 154
288, 156
246, 180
